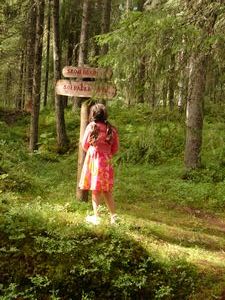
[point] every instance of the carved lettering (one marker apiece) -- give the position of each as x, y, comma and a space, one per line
86, 72
85, 89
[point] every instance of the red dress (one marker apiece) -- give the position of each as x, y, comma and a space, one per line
97, 173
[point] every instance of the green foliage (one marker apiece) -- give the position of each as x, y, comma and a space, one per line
147, 40
153, 144
149, 136
60, 257
111, 266
213, 174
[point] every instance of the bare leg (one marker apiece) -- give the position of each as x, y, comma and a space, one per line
110, 202
96, 199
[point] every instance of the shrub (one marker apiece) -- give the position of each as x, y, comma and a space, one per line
153, 144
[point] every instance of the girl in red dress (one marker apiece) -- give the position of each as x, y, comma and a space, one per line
101, 142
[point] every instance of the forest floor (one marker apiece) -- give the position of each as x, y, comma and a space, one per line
156, 208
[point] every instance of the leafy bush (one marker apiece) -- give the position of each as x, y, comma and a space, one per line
153, 144
211, 173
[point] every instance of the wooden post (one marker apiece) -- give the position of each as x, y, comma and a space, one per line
86, 90
82, 195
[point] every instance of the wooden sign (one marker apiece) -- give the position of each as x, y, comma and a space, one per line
85, 72
85, 89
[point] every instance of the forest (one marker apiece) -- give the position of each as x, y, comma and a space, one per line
159, 68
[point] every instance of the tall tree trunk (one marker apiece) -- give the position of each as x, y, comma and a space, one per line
98, 9
82, 195
164, 92
71, 40
194, 112
8, 82
37, 76
47, 54
84, 34
153, 92
30, 51
182, 83
19, 103
140, 5
105, 24
141, 66
70, 47
82, 55
129, 5
62, 139
197, 84
171, 83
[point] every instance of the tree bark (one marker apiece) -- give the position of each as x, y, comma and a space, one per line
30, 51
197, 83
82, 195
62, 139
129, 5
105, 24
47, 54
140, 5
84, 34
82, 54
37, 77
194, 112
171, 83
182, 83
141, 67
20, 99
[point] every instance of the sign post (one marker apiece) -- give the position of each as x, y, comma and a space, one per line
85, 89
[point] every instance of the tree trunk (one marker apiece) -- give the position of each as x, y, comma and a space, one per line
82, 195
153, 96
140, 5
105, 25
141, 67
84, 34
129, 6
164, 92
82, 55
194, 112
197, 84
171, 83
62, 139
30, 51
70, 48
47, 54
182, 83
19, 103
37, 77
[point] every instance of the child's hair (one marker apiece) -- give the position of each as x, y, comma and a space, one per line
98, 113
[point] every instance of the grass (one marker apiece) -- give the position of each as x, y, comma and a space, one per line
170, 217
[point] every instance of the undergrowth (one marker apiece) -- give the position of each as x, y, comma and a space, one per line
49, 253
103, 264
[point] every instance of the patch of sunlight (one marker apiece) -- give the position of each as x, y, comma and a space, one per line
197, 252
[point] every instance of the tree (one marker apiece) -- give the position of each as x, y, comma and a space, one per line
30, 50
47, 53
105, 24
81, 194
197, 83
37, 77
62, 139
